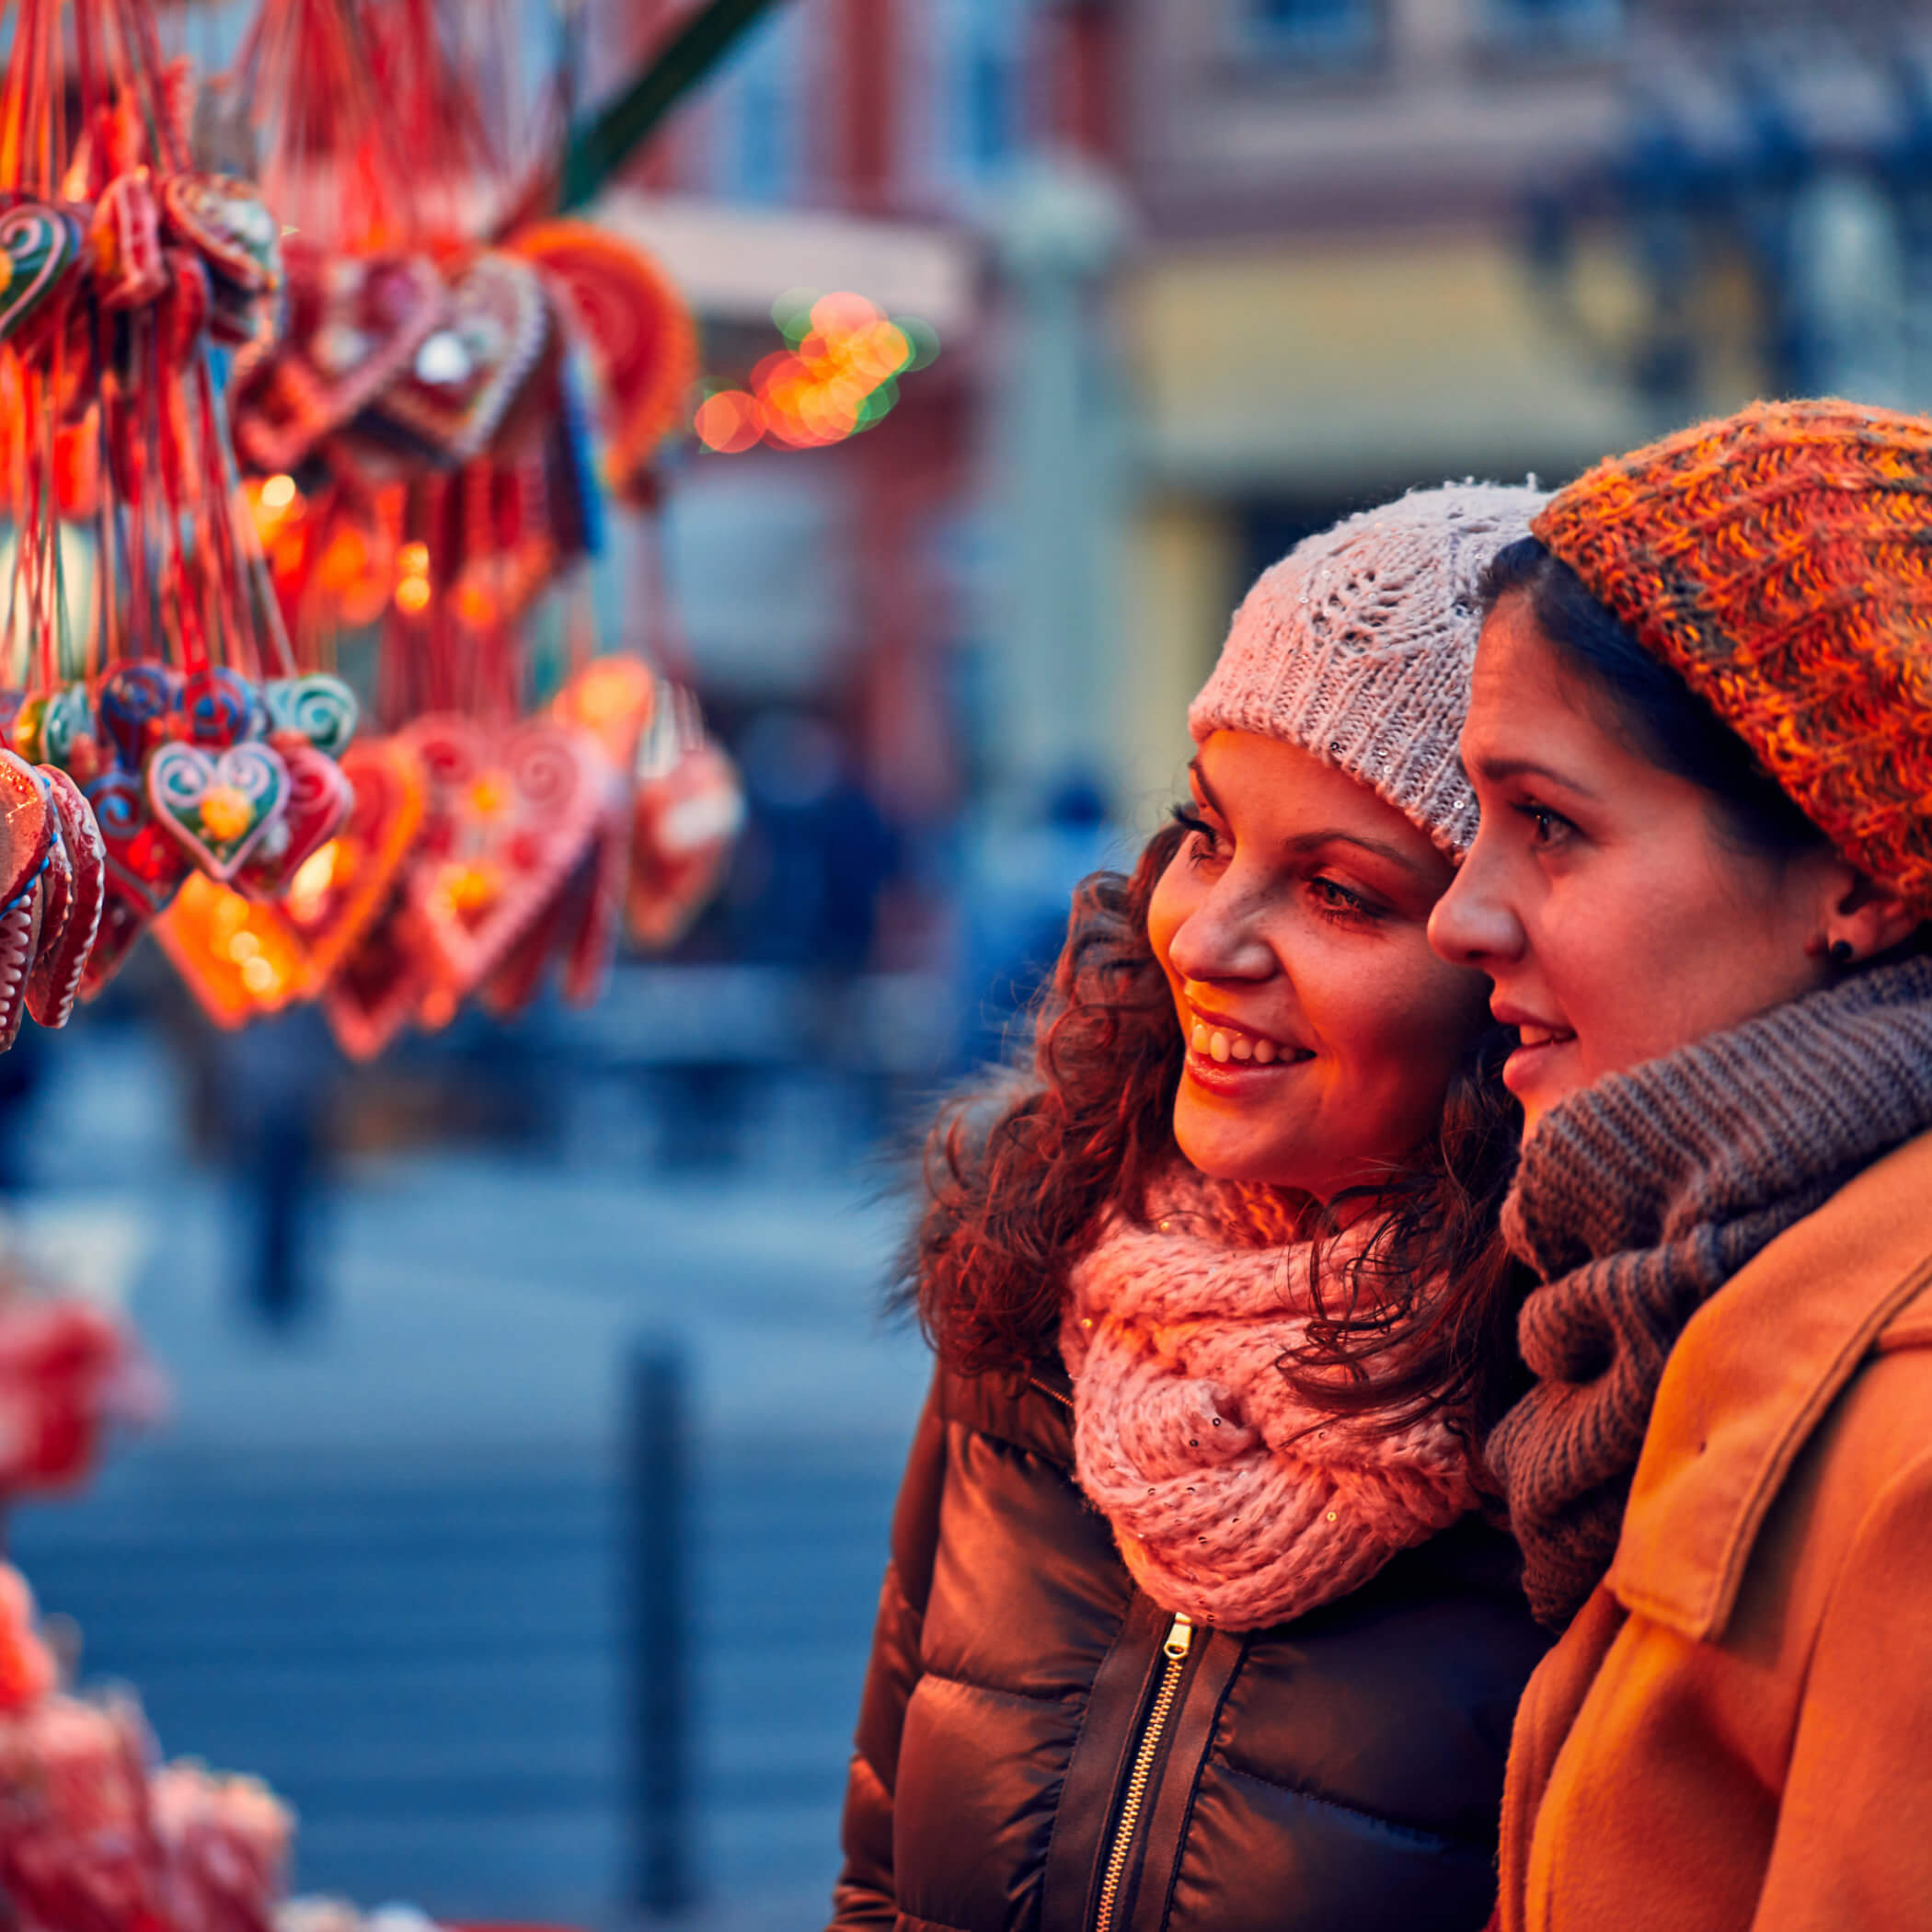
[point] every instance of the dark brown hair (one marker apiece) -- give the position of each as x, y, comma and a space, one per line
1019, 1175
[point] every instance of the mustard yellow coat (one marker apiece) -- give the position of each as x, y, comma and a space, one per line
1737, 1730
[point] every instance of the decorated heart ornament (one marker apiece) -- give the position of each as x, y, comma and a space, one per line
218, 810
685, 817
41, 255
467, 371
144, 870
70, 919
354, 326
510, 816
126, 234
132, 701
321, 708
27, 838
317, 804
225, 219
612, 698
337, 896
27, 828
240, 960
379, 987
220, 707
639, 330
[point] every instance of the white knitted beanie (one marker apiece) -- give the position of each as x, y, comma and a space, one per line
1357, 647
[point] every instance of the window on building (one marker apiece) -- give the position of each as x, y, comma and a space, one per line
1326, 29
1553, 25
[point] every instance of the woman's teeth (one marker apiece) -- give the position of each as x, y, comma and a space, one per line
1542, 1036
1223, 1047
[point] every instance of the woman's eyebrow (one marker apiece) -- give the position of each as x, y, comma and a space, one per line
1313, 841
1207, 790
1495, 770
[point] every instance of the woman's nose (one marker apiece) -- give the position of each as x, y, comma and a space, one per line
1222, 937
1473, 923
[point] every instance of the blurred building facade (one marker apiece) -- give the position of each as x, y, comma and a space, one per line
1208, 273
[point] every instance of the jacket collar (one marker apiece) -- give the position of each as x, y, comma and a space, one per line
1751, 1376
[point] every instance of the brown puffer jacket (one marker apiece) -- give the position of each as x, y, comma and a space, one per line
1040, 1749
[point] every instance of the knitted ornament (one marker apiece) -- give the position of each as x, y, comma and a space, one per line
1780, 562
1231, 1498
1357, 647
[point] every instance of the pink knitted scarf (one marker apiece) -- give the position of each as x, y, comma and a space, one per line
1231, 1498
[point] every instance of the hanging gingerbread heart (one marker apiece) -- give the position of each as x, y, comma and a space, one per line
612, 697
224, 218
219, 707
132, 699
379, 987
509, 817
467, 372
319, 802
145, 869
589, 941
685, 822
68, 928
240, 960
27, 838
40, 253
125, 231
335, 900
355, 324
218, 810
185, 306
323, 709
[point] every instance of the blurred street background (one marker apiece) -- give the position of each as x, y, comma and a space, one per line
1190, 279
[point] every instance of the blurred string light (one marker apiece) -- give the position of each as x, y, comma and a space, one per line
838, 374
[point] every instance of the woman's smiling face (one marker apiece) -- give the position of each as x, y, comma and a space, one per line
1291, 925
1602, 895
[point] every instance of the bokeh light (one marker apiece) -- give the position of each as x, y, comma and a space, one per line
837, 376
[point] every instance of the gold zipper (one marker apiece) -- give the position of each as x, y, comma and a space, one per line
1180, 1635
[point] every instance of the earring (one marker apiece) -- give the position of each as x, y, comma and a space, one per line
1839, 952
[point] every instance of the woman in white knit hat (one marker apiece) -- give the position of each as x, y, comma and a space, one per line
1194, 1620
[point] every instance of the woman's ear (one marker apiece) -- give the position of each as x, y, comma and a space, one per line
1863, 921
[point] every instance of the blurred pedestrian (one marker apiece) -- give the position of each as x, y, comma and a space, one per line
1192, 1619
1702, 736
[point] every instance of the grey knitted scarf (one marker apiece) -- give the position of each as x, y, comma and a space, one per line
1638, 1198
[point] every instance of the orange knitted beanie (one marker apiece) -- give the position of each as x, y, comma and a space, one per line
1780, 561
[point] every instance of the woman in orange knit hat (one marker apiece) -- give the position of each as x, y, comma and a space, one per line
1701, 738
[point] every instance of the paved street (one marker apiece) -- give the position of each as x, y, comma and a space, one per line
383, 1563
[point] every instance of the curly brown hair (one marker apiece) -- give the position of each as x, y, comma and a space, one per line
1019, 1174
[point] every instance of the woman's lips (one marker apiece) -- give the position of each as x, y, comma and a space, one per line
1539, 1045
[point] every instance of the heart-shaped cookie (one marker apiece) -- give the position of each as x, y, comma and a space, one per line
220, 707
612, 698
379, 987
239, 959
144, 870
27, 828
318, 801
225, 219
589, 941
639, 333
132, 699
467, 371
511, 815
41, 251
218, 810
321, 708
70, 919
334, 900
684, 821
355, 324
125, 233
